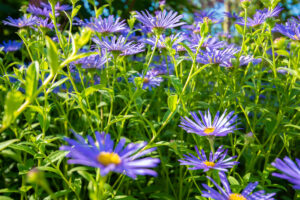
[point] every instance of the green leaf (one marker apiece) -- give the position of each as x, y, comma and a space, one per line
13, 101
100, 10
24, 148
233, 181
58, 194
32, 78
52, 55
240, 29
283, 53
176, 83
292, 125
57, 84
172, 102
5, 144
48, 169
190, 52
55, 156
75, 11
86, 176
5, 198
6, 190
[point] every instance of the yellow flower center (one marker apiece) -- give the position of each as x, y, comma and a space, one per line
106, 158
209, 130
236, 197
209, 164
146, 80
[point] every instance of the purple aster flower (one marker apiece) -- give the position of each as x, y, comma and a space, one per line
135, 49
209, 16
233, 15
215, 161
106, 25
161, 69
219, 126
227, 194
57, 7
273, 13
290, 170
245, 60
161, 21
291, 29
108, 157
21, 22
40, 11
45, 23
173, 39
93, 61
150, 80
192, 29
260, 17
115, 46
210, 42
224, 57
78, 22
162, 2
216, 56
11, 46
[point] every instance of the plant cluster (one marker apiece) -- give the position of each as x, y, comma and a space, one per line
138, 95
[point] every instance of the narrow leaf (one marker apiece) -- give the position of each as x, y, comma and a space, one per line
52, 55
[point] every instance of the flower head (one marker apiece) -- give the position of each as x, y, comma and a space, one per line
220, 126
215, 161
135, 49
174, 40
210, 42
150, 80
163, 20
45, 23
291, 29
260, 17
290, 170
161, 69
106, 25
11, 46
207, 16
108, 157
218, 56
233, 15
227, 194
93, 61
57, 7
116, 45
40, 11
223, 57
21, 22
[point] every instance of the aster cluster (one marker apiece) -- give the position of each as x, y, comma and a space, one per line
113, 42
219, 126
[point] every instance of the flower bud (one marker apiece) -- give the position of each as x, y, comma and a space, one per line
245, 3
